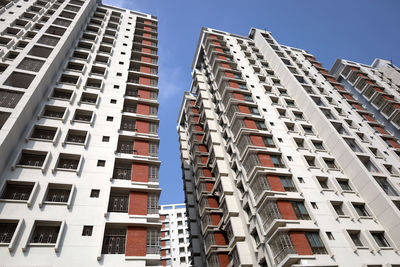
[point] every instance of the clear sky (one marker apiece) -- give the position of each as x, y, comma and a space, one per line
358, 30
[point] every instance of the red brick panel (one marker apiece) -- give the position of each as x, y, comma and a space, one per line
215, 219
238, 96
144, 81
219, 50
244, 109
162, 236
257, 140
229, 75
138, 203
358, 107
265, 160
192, 102
146, 42
380, 130
233, 84
142, 126
224, 65
196, 119
146, 59
143, 109
221, 57
393, 143
216, 43
148, 22
145, 69
164, 262
195, 110
348, 96
202, 148
203, 159
223, 259
140, 172
212, 202
147, 35
250, 124
219, 239
146, 50
163, 253
275, 183
144, 93
207, 173
136, 241
141, 148
368, 117
300, 242
147, 28
209, 186
199, 137
213, 37
162, 217
286, 210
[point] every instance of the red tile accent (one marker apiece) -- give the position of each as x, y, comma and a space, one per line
141, 148
226, 66
142, 126
275, 183
250, 124
209, 186
136, 241
144, 81
143, 109
223, 259
144, 93
238, 96
219, 239
244, 109
215, 219
212, 202
233, 84
257, 140
301, 244
145, 69
286, 210
138, 203
140, 172
146, 59
265, 160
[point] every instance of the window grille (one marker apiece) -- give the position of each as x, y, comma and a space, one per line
153, 173
17, 191
6, 232
58, 195
45, 234
153, 242
114, 241
152, 204
9, 99
118, 203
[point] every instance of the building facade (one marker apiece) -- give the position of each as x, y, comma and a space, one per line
280, 167
377, 88
174, 236
78, 135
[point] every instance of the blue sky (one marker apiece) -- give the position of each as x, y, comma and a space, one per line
356, 30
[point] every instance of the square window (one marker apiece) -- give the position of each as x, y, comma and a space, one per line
95, 193
314, 205
109, 118
106, 139
380, 239
355, 237
87, 230
113, 101
101, 163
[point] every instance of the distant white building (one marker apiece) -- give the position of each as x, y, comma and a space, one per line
175, 249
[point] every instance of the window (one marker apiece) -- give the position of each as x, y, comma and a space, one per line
299, 142
118, 202
323, 182
105, 139
338, 207
287, 184
19, 80
95, 193
58, 193
32, 158
330, 236
53, 112
330, 163
17, 190
101, 163
315, 242
7, 230
314, 205
318, 145
109, 118
344, 184
360, 209
114, 241
355, 237
83, 115
310, 161
353, 145
386, 186
9, 99
68, 161
45, 233
113, 101
30, 64
77, 137
380, 239
87, 230
300, 210
307, 129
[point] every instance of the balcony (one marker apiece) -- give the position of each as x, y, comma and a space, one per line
216, 58
239, 111
259, 161
236, 98
254, 142
241, 126
212, 43
208, 203
215, 241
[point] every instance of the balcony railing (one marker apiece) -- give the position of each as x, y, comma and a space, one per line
269, 212
282, 246
122, 173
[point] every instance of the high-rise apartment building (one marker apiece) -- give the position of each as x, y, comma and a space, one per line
174, 236
280, 167
377, 88
78, 139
